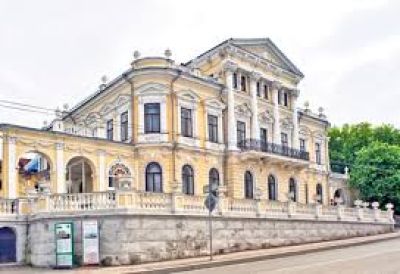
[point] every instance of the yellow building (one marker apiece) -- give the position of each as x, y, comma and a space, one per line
228, 116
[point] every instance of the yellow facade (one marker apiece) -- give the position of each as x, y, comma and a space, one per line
201, 86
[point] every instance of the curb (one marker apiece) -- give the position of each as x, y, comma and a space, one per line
210, 264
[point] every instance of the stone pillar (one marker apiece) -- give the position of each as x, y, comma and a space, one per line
230, 67
12, 168
102, 171
255, 125
60, 169
277, 127
295, 135
318, 211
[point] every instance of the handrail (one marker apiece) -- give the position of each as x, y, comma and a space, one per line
258, 145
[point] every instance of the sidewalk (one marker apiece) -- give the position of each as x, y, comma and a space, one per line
219, 260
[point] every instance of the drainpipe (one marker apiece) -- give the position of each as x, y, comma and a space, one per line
125, 76
174, 143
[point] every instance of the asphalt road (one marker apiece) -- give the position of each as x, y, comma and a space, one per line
380, 257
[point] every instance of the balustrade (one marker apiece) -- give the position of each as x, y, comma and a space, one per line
185, 204
8, 206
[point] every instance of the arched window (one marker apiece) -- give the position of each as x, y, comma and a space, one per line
119, 176
248, 185
319, 197
272, 189
153, 178
292, 190
213, 178
187, 180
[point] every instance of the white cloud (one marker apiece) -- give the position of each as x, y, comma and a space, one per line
55, 52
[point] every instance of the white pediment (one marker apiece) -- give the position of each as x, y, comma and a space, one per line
266, 117
122, 100
188, 95
243, 110
106, 109
214, 103
286, 123
152, 89
92, 118
304, 131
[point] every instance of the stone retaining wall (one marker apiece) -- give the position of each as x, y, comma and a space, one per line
131, 239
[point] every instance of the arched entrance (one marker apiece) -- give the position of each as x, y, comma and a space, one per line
338, 197
79, 175
8, 243
34, 172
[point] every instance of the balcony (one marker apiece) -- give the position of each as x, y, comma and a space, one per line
260, 146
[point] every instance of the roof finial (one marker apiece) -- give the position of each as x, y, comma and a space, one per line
136, 54
168, 53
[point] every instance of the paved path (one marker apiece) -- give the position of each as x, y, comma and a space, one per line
381, 257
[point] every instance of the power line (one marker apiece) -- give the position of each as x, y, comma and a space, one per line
26, 105
26, 110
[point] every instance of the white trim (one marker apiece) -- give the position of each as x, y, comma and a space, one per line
60, 169
12, 168
102, 171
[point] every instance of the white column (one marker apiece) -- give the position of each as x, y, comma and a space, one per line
83, 177
60, 169
277, 127
102, 171
230, 67
12, 175
295, 135
255, 125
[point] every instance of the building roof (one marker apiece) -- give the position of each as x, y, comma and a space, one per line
242, 43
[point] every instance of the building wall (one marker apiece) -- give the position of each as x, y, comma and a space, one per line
131, 239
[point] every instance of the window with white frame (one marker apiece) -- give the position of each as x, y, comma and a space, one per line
110, 129
152, 118
212, 128
124, 126
186, 122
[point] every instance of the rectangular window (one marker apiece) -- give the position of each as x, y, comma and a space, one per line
124, 126
266, 91
285, 99
110, 129
302, 145
152, 118
279, 97
285, 143
235, 80
318, 153
213, 128
243, 82
186, 122
241, 133
258, 89
263, 135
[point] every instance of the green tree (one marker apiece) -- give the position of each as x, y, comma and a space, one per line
376, 173
346, 141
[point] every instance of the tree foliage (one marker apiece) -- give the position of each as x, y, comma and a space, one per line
376, 173
373, 156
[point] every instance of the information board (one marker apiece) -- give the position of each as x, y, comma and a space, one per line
90, 232
64, 244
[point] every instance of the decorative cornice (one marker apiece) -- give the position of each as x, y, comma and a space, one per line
230, 66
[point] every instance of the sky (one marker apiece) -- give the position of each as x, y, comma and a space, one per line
55, 52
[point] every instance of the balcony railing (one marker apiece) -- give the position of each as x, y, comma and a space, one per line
257, 145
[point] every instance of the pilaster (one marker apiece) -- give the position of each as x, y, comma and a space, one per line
12, 168
255, 125
60, 169
277, 127
230, 67
295, 135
